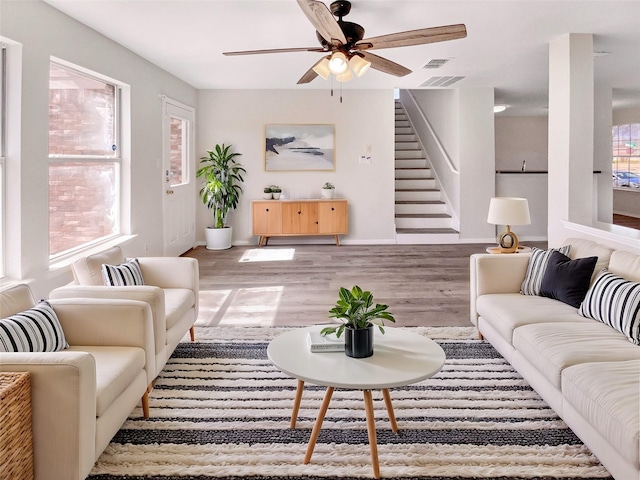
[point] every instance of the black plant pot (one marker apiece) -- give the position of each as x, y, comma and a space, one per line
358, 343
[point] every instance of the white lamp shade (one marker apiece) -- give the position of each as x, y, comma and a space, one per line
359, 65
338, 63
322, 68
509, 211
344, 76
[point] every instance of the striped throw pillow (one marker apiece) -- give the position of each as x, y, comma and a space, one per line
614, 301
35, 330
538, 261
124, 275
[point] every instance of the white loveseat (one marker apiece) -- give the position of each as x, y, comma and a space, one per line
587, 371
171, 288
82, 395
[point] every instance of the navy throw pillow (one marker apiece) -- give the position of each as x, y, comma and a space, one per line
567, 280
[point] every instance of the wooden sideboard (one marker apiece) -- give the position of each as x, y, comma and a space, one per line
276, 218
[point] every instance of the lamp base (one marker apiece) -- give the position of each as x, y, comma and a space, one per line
508, 241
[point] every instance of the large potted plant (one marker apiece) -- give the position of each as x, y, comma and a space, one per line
221, 192
358, 314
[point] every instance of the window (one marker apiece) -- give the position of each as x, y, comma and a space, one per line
3, 152
626, 156
84, 159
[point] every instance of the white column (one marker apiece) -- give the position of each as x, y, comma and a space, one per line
571, 121
603, 197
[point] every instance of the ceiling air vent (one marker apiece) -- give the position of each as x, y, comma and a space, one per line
441, 81
436, 62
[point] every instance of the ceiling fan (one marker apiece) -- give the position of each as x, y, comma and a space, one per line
347, 49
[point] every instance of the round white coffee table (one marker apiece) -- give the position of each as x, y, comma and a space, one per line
400, 358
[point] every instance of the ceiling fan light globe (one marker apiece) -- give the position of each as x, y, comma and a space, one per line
359, 65
322, 68
338, 63
344, 76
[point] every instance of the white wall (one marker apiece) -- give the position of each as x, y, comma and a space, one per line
42, 31
364, 119
521, 139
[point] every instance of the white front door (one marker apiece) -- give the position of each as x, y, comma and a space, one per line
178, 177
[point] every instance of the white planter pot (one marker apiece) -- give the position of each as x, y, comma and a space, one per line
276, 195
327, 192
218, 238
267, 196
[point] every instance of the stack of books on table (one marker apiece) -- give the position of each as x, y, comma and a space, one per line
325, 343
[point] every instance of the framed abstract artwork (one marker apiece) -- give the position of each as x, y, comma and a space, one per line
299, 147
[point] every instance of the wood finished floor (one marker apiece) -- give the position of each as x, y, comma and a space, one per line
424, 285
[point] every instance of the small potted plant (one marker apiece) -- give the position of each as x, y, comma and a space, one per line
358, 313
327, 190
276, 191
268, 195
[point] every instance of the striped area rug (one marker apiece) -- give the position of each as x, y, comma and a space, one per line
220, 410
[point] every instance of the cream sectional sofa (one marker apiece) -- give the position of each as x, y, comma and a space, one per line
171, 287
82, 395
587, 371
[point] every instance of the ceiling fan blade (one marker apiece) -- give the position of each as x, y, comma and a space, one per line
386, 66
323, 20
414, 37
308, 76
276, 50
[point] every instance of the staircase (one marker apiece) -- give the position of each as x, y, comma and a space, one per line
421, 215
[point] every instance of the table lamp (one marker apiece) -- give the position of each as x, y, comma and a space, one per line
508, 211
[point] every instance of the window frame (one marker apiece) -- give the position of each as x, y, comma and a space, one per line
616, 156
116, 158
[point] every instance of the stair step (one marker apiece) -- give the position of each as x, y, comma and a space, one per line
412, 163
408, 145
415, 183
419, 195
423, 220
420, 208
405, 137
413, 173
402, 154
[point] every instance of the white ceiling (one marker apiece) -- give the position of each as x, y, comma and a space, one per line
506, 46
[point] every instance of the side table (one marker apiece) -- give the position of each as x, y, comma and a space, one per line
496, 250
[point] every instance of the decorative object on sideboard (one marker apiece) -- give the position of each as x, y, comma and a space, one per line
508, 211
358, 314
328, 190
221, 192
268, 194
275, 192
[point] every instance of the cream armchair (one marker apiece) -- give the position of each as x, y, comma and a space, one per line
82, 395
171, 289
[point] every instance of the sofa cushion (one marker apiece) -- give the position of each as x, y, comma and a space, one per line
88, 270
551, 350
15, 298
126, 274
536, 268
508, 311
116, 369
581, 248
177, 302
625, 264
615, 302
567, 280
34, 330
607, 395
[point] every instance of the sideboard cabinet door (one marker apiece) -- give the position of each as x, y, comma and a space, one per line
267, 218
332, 217
300, 218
